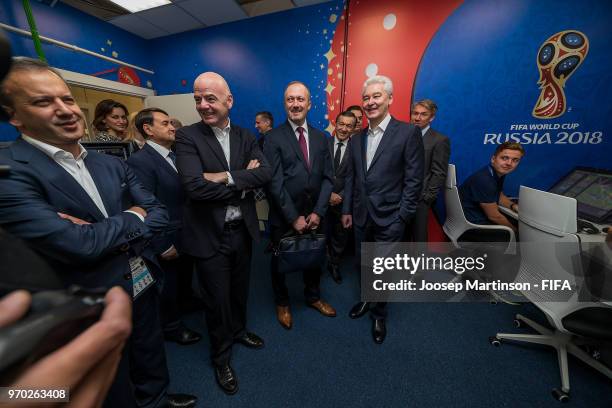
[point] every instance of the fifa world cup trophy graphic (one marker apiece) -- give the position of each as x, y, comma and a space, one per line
558, 58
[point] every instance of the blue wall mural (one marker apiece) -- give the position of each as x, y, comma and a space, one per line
258, 57
481, 69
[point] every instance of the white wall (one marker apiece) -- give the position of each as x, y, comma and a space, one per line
180, 106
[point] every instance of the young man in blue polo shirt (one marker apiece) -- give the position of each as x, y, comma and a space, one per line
482, 192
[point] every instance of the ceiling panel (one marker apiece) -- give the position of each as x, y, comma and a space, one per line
261, 7
171, 18
212, 12
136, 25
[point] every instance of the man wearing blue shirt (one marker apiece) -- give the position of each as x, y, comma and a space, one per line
482, 192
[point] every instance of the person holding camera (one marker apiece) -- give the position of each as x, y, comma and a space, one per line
88, 217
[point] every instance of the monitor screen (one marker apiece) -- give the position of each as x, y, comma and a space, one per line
119, 149
592, 189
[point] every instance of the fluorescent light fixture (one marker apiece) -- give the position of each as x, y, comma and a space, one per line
135, 6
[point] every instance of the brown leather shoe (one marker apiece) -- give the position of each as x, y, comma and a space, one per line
283, 314
324, 308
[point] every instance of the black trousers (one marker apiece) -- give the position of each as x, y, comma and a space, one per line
224, 287
371, 232
337, 236
311, 277
142, 376
417, 229
169, 299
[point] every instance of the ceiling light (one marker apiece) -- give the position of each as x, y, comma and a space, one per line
135, 6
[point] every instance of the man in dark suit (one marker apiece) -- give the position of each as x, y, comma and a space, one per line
358, 112
219, 163
155, 167
337, 235
264, 122
88, 216
298, 193
383, 186
437, 153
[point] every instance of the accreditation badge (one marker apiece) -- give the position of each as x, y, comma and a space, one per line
141, 277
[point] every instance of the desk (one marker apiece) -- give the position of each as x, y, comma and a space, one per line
584, 237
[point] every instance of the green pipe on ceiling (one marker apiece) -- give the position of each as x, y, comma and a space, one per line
34, 30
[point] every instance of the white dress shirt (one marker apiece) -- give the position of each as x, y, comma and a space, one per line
424, 130
374, 137
232, 213
165, 153
76, 168
297, 135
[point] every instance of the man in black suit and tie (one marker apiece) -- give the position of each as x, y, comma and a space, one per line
437, 153
264, 122
298, 193
88, 216
219, 164
337, 235
383, 186
155, 167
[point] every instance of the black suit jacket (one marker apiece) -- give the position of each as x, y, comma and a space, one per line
391, 188
93, 255
437, 153
158, 176
342, 170
294, 189
198, 151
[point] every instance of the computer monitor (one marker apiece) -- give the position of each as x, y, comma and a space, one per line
592, 189
119, 149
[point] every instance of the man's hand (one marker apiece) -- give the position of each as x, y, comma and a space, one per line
312, 221
335, 199
170, 254
347, 221
86, 365
220, 177
74, 220
299, 224
138, 210
253, 164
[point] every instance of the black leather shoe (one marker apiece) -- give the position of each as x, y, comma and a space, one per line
251, 340
181, 400
183, 336
359, 310
226, 379
334, 271
379, 330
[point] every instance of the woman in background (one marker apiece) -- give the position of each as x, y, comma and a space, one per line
110, 121
132, 135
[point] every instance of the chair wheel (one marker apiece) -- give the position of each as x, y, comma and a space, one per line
494, 341
517, 323
560, 395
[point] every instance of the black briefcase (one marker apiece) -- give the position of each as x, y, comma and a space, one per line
300, 252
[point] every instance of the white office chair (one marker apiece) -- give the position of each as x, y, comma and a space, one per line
456, 223
550, 250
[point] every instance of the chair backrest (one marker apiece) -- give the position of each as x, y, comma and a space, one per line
456, 223
550, 251
451, 176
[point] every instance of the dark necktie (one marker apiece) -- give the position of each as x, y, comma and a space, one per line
172, 157
338, 155
303, 146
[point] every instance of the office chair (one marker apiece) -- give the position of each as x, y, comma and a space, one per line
456, 223
550, 250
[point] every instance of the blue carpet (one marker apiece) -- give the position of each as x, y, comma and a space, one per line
435, 355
